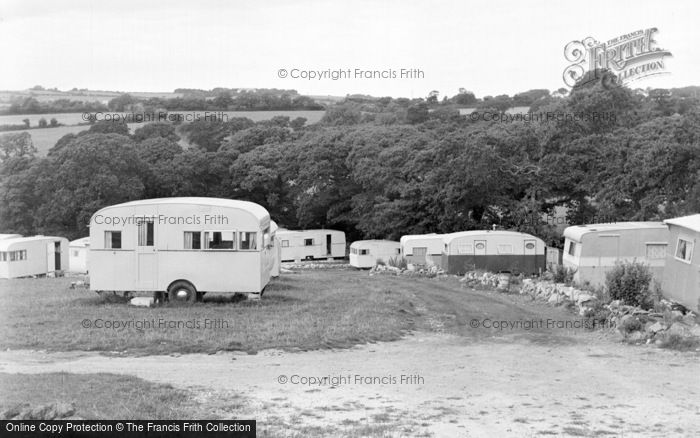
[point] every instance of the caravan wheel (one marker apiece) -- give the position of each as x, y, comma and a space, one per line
182, 291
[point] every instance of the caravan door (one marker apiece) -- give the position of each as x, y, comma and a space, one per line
146, 266
50, 257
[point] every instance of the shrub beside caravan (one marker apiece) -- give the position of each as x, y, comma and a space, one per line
366, 253
30, 256
495, 251
78, 255
184, 247
681, 277
311, 244
422, 249
592, 250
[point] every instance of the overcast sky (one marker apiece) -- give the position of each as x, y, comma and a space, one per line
488, 47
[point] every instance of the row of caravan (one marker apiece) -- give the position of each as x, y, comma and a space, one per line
193, 245
457, 253
590, 251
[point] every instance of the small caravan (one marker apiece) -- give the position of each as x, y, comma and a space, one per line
311, 244
592, 250
493, 250
366, 253
422, 249
78, 255
184, 247
29, 256
681, 277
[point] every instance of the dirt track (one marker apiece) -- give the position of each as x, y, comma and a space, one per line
506, 386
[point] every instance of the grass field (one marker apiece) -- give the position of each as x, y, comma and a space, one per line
77, 118
97, 396
45, 138
304, 311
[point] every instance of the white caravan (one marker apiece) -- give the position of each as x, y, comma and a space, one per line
29, 256
78, 255
423, 249
366, 253
311, 244
184, 247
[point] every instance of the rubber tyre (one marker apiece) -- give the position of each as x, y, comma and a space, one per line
182, 291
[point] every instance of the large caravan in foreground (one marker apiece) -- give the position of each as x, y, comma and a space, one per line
299, 245
31, 256
184, 247
366, 253
495, 251
592, 250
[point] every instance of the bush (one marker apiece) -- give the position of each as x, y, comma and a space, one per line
562, 274
675, 341
597, 315
630, 283
398, 262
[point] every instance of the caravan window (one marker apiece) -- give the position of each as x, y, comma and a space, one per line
3, 256
684, 250
465, 248
285, 244
193, 240
249, 240
23, 254
219, 240
145, 229
656, 250
308, 242
505, 249
364, 252
572, 248
113, 239
420, 252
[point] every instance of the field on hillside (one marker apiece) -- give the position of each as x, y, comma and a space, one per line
76, 118
45, 138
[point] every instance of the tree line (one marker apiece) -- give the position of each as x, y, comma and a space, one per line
381, 167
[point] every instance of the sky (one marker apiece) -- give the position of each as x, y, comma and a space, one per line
487, 47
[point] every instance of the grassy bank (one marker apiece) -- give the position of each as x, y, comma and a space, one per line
97, 396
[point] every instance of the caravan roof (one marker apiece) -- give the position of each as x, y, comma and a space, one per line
257, 210
82, 242
5, 244
691, 222
577, 232
448, 238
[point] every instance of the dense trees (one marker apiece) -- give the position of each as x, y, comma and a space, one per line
383, 167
